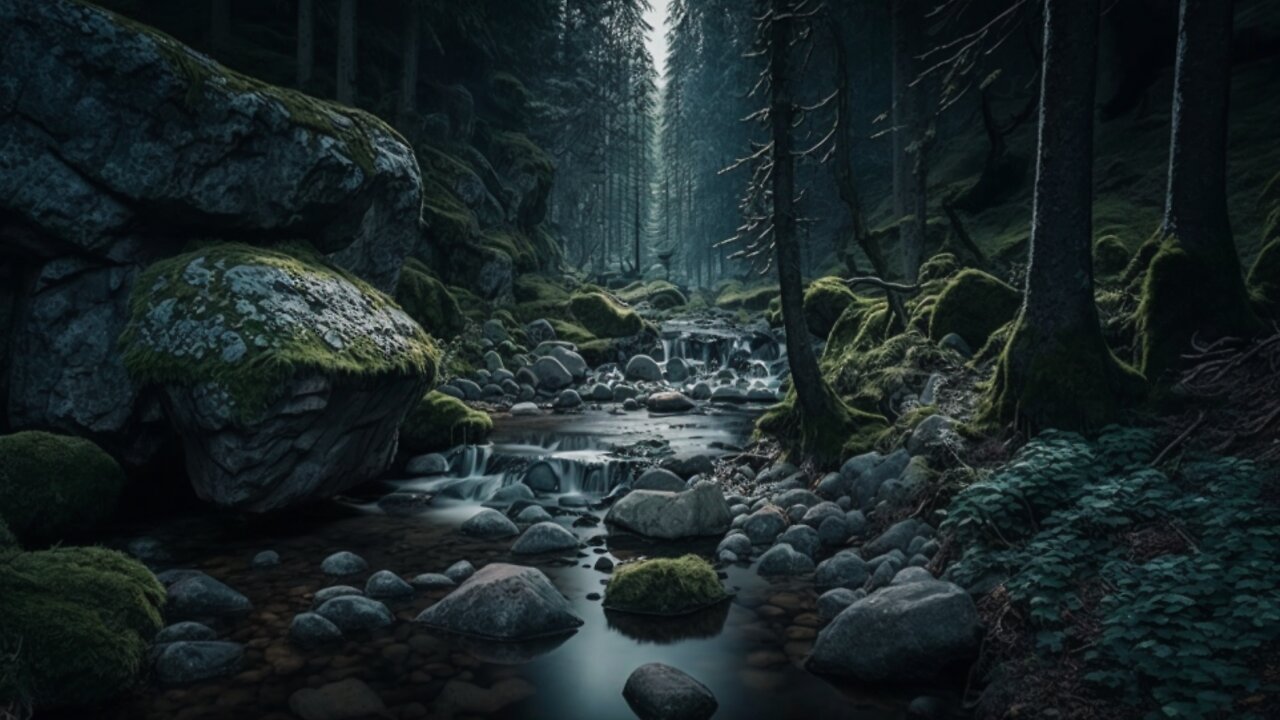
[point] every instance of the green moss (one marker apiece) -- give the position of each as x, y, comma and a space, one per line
826, 440
1264, 280
664, 586
428, 301
825, 300
973, 304
1065, 381
1185, 293
515, 244
81, 619
939, 267
179, 302
439, 422
535, 288
54, 486
751, 299
571, 332
1110, 256
662, 295
603, 317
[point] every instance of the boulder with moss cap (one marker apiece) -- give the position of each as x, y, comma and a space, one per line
286, 377
54, 486
664, 586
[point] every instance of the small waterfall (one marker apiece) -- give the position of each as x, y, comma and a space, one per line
576, 475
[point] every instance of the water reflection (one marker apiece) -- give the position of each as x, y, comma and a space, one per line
665, 630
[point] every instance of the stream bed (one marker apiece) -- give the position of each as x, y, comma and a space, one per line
747, 651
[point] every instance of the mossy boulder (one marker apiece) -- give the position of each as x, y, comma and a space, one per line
735, 296
55, 486
604, 318
439, 422
664, 586
1264, 280
429, 302
254, 348
81, 621
660, 294
973, 304
572, 332
826, 439
939, 267
1110, 256
825, 300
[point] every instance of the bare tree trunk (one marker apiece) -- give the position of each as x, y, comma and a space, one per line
410, 43
1195, 282
346, 87
910, 169
306, 42
1056, 370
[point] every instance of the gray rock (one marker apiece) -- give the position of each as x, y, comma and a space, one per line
185, 631
661, 692
326, 594
354, 613
427, 465
697, 512
460, 571
701, 391
405, 503
764, 525
386, 584
623, 392
897, 537
782, 559
451, 391
764, 395
494, 331
814, 516
343, 700
833, 531
832, 486
776, 472
881, 576
542, 476
489, 524
688, 465
470, 390
902, 633
796, 496
909, 575
343, 563
543, 538
432, 581
658, 479
182, 663
803, 538
737, 543
508, 494
728, 394
932, 435
842, 570
310, 630
669, 402
525, 409
492, 361
539, 331
265, 559
568, 399
856, 522
833, 602
571, 361
200, 596
677, 370
504, 602
630, 405
533, 514
929, 395
643, 368
551, 373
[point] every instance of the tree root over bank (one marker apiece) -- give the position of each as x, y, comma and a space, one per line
1236, 386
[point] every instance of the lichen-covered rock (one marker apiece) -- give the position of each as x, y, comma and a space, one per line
664, 586
230, 155
54, 486
81, 621
439, 422
286, 377
504, 602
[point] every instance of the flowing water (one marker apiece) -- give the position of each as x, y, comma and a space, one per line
747, 651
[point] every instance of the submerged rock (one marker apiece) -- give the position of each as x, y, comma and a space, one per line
504, 602
782, 559
181, 663
697, 512
661, 692
343, 563
544, 537
201, 596
386, 584
310, 630
353, 613
669, 402
489, 524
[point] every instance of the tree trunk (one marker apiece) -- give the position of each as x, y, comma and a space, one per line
306, 42
1056, 370
346, 87
1195, 283
410, 44
910, 169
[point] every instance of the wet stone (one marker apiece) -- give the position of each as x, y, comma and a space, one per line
343, 563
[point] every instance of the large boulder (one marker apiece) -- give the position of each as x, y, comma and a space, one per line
902, 633
163, 139
504, 602
286, 378
697, 512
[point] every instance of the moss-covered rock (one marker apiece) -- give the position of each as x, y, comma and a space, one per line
664, 586
1110, 256
825, 300
752, 299
939, 267
429, 302
827, 439
662, 295
247, 319
973, 304
1264, 280
439, 422
81, 620
55, 486
572, 332
603, 317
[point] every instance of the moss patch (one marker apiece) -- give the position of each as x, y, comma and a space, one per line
439, 422
55, 486
1264, 280
662, 295
572, 332
428, 301
247, 319
752, 299
664, 586
973, 305
603, 317
1110, 256
82, 620
825, 300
